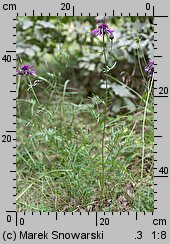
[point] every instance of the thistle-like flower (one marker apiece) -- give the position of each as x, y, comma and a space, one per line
102, 30
150, 67
26, 70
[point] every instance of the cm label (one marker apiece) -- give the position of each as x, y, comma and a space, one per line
9, 6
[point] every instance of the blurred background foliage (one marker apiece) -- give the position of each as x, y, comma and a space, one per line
63, 49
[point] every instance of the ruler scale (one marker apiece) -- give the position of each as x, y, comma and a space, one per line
46, 227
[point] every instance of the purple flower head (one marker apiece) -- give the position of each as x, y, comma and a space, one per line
26, 70
150, 67
102, 30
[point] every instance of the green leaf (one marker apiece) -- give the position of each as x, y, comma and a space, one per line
19, 50
38, 34
117, 105
29, 52
129, 104
46, 24
27, 24
118, 90
121, 91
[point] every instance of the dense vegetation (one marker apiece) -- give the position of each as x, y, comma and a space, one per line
84, 114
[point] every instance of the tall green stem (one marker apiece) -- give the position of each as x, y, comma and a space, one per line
140, 66
104, 127
143, 140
